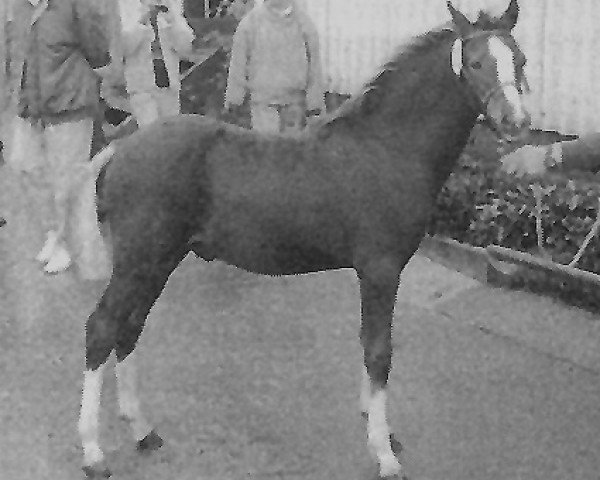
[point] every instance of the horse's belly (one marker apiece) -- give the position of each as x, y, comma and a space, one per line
258, 252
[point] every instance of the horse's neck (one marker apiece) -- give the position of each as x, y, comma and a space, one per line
433, 104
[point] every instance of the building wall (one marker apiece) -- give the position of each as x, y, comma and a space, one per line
558, 37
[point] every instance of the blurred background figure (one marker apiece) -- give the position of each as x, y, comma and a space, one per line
155, 36
57, 97
275, 60
239, 8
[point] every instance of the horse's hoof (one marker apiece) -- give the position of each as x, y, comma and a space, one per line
394, 476
150, 442
396, 445
390, 468
98, 470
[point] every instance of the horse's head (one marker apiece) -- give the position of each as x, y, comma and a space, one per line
487, 57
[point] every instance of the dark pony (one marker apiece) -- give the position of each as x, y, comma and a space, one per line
356, 191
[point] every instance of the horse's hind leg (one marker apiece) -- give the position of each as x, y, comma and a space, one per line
378, 286
129, 404
150, 284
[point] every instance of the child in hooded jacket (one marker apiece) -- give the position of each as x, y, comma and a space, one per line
275, 60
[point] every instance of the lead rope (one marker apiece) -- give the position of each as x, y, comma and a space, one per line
591, 234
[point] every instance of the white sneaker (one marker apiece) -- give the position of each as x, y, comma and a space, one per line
59, 262
48, 248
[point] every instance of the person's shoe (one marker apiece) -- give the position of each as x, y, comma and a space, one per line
59, 262
48, 248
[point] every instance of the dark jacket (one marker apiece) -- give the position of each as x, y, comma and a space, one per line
65, 43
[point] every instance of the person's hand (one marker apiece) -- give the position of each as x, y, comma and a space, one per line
527, 160
230, 112
152, 10
145, 18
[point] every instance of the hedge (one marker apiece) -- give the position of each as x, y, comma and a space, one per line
481, 205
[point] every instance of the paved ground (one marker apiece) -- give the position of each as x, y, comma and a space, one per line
253, 377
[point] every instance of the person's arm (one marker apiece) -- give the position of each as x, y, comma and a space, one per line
580, 154
315, 92
237, 78
175, 30
93, 32
134, 36
136, 30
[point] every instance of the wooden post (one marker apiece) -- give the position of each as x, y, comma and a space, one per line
206, 8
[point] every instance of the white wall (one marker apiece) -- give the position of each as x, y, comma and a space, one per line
560, 39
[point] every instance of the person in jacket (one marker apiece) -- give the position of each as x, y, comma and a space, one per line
58, 97
154, 38
275, 59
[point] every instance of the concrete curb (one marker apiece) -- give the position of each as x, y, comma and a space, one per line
503, 267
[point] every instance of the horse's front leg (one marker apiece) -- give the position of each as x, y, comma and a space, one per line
93, 458
378, 286
100, 337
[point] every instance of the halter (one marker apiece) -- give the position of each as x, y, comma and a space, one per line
484, 101
487, 98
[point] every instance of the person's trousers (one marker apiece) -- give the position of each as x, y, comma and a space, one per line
67, 146
278, 118
52, 153
147, 107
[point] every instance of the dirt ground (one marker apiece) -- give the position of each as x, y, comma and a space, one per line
255, 377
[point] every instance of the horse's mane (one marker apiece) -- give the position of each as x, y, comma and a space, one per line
408, 58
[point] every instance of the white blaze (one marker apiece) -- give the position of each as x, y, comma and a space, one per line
505, 61
378, 435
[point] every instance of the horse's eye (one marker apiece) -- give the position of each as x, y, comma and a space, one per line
476, 65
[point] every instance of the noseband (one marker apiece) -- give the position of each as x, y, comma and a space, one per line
487, 98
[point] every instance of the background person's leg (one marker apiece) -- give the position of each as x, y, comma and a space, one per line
293, 117
265, 118
167, 100
68, 148
145, 108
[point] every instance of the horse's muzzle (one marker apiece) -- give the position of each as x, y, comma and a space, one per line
513, 128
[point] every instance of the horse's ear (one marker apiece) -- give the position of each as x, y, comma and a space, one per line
508, 20
463, 26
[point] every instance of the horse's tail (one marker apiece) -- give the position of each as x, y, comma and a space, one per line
90, 244
101, 159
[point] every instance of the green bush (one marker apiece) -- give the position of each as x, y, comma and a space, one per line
481, 205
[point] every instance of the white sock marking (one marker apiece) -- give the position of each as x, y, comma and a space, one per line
88, 416
129, 404
378, 435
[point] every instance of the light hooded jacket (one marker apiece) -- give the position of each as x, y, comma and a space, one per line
275, 58
176, 38
66, 41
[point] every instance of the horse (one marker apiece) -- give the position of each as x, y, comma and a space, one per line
355, 191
